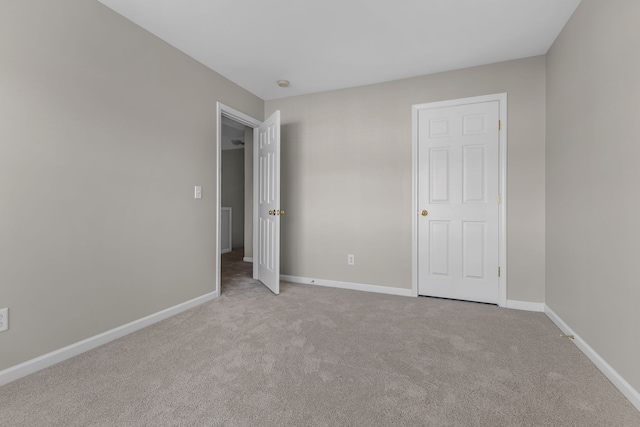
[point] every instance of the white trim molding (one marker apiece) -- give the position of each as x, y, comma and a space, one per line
34, 365
247, 259
230, 232
526, 305
501, 98
348, 285
621, 384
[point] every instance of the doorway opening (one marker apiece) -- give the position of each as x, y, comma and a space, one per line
235, 214
234, 195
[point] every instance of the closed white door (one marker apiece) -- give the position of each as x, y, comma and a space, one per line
268, 202
458, 202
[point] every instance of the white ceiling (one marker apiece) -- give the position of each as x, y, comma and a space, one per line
331, 44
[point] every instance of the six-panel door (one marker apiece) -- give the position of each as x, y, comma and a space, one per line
458, 188
268, 155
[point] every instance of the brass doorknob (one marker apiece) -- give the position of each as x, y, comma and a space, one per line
281, 212
272, 212
424, 213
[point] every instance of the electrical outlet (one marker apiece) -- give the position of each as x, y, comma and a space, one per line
351, 259
4, 319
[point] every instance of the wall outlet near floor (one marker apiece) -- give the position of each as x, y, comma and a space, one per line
351, 259
4, 319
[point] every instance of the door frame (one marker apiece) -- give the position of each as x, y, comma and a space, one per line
240, 117
502, 186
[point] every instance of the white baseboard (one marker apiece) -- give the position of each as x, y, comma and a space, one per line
348, 285
526, 305
247, 259
30, 366
621, 384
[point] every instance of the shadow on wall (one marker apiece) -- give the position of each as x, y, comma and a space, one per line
292, 179
233, 191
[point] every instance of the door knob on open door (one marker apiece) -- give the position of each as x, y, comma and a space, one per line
281, 212
272, 212
424, 213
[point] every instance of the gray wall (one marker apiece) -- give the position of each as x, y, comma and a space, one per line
346, 175
593, 147
104, 131
233, 192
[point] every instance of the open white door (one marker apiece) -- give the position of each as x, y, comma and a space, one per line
267, 201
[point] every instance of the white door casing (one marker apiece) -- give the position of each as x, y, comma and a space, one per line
459, 176
267, 202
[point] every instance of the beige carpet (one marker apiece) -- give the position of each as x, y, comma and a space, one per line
316, 356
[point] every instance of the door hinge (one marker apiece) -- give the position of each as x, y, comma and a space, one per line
499, 124
499, 198
498, 271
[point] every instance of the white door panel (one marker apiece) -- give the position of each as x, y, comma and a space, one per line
268, 156
458, 175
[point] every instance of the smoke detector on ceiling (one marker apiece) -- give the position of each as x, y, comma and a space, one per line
283, 83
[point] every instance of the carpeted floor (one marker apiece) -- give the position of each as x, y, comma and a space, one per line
316, 356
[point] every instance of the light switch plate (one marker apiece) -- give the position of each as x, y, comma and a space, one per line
198, 192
